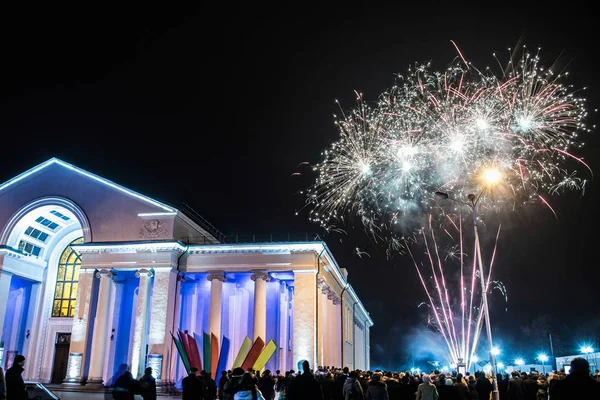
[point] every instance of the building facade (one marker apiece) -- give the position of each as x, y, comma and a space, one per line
95, 277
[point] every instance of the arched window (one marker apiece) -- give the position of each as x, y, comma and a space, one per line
65, 293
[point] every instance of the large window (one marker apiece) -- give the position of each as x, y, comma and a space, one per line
67, 281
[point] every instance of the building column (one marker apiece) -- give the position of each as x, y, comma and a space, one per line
31, 328
216, 279
79, 331
162, 323
322, 312
304, 324
260, 279
140, 329
283, 327
5, 278
100, 336
337, 341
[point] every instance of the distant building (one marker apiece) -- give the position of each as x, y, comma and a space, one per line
94, 276
564, 362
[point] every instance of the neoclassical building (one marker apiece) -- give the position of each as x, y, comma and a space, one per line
94, 276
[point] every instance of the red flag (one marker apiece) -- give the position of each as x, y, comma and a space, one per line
194, 353
185, 344
255, 351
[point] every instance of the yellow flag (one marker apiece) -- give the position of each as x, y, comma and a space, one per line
244, 350
265, 356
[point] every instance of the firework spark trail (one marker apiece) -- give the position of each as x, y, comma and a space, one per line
437, 254
431, 302
447, 313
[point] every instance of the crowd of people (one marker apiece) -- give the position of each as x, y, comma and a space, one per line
328, 383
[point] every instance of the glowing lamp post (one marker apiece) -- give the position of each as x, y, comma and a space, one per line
489, 177
587, 350
543, 358
520, 362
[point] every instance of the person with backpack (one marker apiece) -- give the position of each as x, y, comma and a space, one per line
352, 388
148, 385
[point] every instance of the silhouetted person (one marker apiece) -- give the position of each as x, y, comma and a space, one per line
376, 389
209, 387
502, 386
483, 386
515, 388
352, 388
148, 385
328, 387
222, 381
15, 386
125, 387
304, 386
234, 384
578, 384
339, 383
2, 385
192, 386
530, 388
266, 385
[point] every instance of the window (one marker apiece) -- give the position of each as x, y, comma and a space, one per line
36, 234
59, 215
67, 280
47, 223
30, 248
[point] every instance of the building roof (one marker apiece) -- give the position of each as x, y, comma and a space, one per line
83, 172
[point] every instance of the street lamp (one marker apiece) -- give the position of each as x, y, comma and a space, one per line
520, 362
543, 358
489, 178
495, 351
587, 350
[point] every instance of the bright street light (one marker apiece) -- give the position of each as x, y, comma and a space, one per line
491, 176
520, 362
587, 349
543, 358
500, 365
495, 351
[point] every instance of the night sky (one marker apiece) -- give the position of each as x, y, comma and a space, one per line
217, 106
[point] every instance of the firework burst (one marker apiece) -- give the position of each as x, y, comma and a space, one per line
511, 136
443, 131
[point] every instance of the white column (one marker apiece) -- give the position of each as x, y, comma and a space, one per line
162, 315
5, 278
100, 336
283, 327
79, 332
304, 323
322, 312
216, 279
337, 341
140, 330
29, 343
260, 279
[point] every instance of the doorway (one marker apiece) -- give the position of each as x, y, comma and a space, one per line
61, 357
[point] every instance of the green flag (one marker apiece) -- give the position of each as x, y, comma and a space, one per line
181, 351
